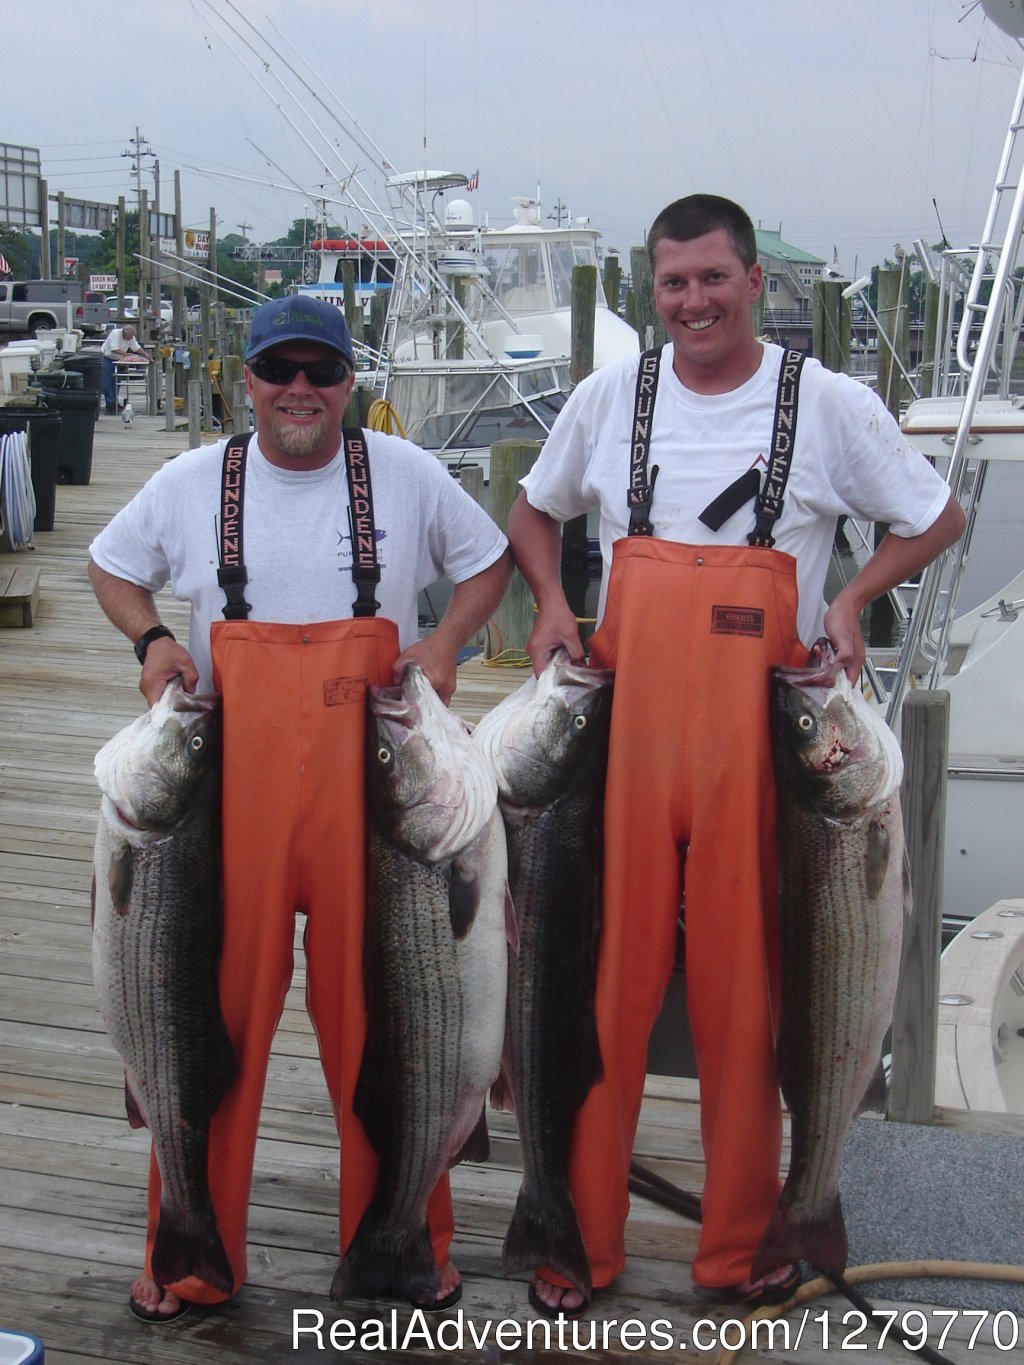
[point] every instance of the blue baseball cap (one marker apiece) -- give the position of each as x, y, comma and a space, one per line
299, 318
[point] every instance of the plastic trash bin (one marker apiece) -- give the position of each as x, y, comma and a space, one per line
89, 364
43, 426
20, 1348
60, 379
77, 409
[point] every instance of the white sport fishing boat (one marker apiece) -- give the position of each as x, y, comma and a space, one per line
972, 425
477, 337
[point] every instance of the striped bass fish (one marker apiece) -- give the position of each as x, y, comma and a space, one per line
435, 972
547, 745
157, 927
844, 894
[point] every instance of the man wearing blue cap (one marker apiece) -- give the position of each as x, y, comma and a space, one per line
291, 621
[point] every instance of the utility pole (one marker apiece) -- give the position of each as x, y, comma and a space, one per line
246, 227
561, 210
140, 148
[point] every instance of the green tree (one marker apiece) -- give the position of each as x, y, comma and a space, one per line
21, 250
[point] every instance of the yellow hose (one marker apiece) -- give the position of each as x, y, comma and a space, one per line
885, 1270
383, 417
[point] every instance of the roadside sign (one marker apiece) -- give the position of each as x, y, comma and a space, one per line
104, 284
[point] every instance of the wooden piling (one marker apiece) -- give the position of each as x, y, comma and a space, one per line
647, 323
612, 281
195, 404
581, 363
514, 619
353, 312
924, 728
894, 315
230, 378
240, 404
831, 326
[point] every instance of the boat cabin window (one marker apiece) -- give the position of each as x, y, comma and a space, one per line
565, 255
517, 276
371, 268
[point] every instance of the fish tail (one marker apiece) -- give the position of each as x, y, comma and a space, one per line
546, 1232
383, 1261
198, 1250
821, 1241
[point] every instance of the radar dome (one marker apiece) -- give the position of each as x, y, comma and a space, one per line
1007, 15
458, 214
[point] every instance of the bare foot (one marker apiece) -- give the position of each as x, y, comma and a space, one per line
448, 1282
556, 1296
146, 1293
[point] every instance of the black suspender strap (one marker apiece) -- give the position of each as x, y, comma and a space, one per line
231, 574
365, 568
770, 501
641, 491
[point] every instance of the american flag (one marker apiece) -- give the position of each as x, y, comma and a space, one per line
473, 183
5, 269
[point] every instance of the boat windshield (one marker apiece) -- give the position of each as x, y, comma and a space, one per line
563, 256
441, 409
517, 276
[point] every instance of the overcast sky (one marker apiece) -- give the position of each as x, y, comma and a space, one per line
838, 120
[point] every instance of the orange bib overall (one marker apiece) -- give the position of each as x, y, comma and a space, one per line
691, 632
293, 811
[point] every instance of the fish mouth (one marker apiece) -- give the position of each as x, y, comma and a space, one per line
820, 671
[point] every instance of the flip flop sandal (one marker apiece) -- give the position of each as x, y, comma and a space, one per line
547, 1311
448, 1300
766, 1294
153, 1316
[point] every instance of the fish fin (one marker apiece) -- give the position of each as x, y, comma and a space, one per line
546, 1231
819, 1241
511, 922
463, 899
179, 1253
386, 1261
501, 1092
876, 858
119, 879
132, 1107
477, 1146
876, 1097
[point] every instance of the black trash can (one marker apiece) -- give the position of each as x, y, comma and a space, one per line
60, 379
77, 408
89, 364
43, 426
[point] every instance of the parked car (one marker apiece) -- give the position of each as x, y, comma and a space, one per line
131, 307
26, 305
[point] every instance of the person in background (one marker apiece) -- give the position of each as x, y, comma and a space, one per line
717, 516
340, 534
120, 343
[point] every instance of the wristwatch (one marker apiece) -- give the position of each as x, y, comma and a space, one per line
144, 641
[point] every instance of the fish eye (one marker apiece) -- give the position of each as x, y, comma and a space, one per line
580, 722
805, 723
383, 754
197, 744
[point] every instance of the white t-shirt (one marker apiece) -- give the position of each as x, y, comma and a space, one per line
117, 341
297, 544
850, 458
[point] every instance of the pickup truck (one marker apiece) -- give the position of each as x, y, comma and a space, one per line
26, 305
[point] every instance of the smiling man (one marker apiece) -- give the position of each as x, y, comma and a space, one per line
717, 517
302, 551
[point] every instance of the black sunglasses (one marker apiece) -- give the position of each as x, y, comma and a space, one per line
322, 374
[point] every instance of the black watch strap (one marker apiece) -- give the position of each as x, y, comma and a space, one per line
144, 641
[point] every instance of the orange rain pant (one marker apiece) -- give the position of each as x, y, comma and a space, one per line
294, 762
691, 633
